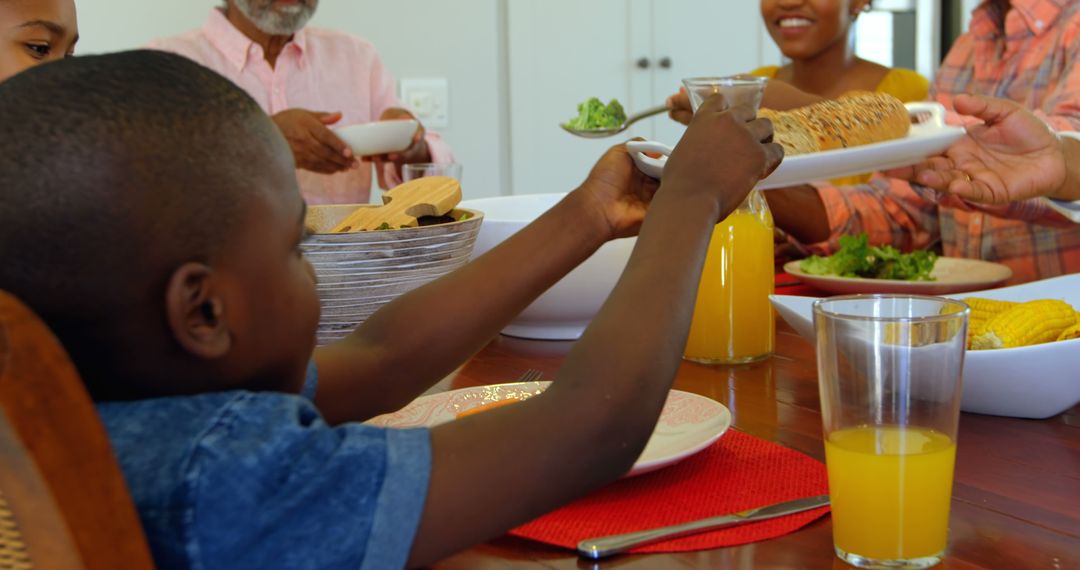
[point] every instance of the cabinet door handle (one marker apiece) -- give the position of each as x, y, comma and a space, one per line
665, 63
644, 63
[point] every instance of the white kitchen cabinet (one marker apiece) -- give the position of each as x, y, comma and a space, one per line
562, 52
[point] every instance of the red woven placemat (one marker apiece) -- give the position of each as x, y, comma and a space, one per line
738, 472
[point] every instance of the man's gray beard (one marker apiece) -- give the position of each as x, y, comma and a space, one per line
284, 22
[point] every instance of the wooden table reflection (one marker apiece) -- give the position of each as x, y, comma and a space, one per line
1016, 497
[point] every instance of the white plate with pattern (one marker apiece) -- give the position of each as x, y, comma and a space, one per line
929, 136
688, 424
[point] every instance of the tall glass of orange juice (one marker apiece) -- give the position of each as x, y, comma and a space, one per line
889, 372
733, 320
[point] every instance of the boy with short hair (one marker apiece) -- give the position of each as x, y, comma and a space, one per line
150, 215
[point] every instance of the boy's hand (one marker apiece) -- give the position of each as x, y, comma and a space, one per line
315, 147
618, 193
723, 154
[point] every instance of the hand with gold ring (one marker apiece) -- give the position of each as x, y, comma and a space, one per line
1011, 156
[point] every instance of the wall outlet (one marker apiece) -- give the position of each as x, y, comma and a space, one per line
429, 99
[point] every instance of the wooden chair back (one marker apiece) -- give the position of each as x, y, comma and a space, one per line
63, 501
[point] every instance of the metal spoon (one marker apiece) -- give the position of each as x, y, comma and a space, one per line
601, 133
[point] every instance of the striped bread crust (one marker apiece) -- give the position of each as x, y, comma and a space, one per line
855, 119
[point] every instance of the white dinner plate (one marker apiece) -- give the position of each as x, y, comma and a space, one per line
688, 424
1027, 382
952, 275
928, 137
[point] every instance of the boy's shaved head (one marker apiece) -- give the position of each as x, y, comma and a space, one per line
114, 171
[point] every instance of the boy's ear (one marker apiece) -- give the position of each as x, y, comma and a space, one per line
195, 310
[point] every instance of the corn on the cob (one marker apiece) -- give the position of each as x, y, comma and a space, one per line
946, 334
1071, 332
1034, 322
982, 310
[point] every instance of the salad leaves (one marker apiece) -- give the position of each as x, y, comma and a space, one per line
856, 258
593, 114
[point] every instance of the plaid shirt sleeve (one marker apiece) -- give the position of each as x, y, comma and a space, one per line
904, 215
1062, 104
1036, 211
889, 210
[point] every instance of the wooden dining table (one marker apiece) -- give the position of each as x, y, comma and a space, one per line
1016, 495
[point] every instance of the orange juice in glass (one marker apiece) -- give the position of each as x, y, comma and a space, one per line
889, 372
890, 491
733, 320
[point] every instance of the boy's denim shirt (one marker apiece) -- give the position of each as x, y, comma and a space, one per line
258, 480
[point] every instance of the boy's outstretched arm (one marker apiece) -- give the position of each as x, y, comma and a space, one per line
501, 468
422, 336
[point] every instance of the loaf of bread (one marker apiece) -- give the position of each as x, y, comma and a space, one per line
855, 119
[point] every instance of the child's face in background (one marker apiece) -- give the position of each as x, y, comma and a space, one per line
803, 29
34, 32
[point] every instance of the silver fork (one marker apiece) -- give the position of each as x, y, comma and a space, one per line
531, 375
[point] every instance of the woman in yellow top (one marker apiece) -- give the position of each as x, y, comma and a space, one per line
816, 36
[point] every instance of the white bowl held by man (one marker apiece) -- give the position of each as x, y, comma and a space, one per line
563, 312
380, 137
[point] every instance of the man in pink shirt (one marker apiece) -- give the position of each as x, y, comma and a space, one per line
308, 79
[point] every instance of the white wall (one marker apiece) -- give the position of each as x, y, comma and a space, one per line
460, 41
112, 25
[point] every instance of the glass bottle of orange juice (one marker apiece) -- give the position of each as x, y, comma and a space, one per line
733, 320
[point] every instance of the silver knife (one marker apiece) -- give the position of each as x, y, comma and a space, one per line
605, 546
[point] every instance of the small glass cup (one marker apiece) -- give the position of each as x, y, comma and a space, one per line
422, 169
889, 372
738, 90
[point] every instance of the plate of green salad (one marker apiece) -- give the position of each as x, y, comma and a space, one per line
858, 267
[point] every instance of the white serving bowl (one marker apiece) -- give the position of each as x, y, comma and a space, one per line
379, 137
1027, 382
563, 312
360, 272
